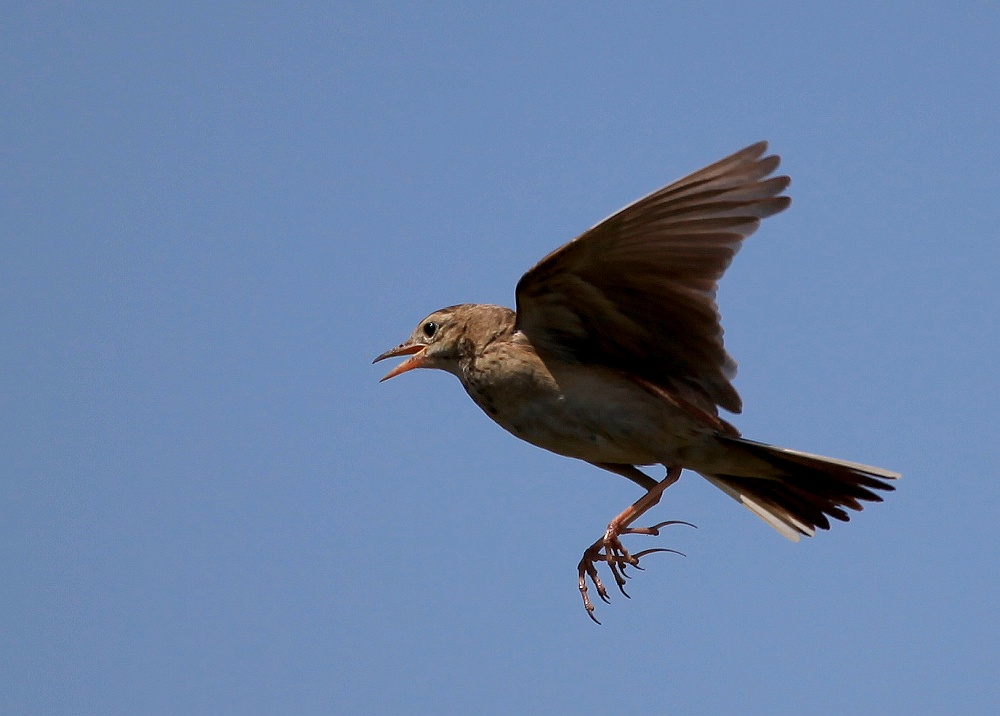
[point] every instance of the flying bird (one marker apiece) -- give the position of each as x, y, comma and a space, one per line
614, 356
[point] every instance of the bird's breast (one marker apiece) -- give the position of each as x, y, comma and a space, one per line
586, 412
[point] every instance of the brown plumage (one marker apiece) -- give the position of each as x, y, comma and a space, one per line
615, 356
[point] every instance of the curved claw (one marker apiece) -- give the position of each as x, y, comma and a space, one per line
644, 552
672, 522
619, 579
655, 529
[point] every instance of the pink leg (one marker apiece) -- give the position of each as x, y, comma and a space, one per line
614, 552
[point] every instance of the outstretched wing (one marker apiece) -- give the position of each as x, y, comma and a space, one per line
637, 291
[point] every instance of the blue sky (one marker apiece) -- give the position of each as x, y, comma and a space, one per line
216, 215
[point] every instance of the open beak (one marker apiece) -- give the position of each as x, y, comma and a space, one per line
416, 359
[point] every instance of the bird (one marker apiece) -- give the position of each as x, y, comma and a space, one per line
614, 355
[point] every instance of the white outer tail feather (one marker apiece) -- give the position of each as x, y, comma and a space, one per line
877, 471
784, 523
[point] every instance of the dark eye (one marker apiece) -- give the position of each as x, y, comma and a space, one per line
430, 328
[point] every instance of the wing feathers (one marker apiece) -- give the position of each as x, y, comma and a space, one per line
637, 291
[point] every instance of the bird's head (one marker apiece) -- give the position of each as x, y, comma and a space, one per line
447, 336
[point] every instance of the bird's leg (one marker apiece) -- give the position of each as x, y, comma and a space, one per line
615, 554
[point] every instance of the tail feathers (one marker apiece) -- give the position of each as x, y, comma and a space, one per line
807, 490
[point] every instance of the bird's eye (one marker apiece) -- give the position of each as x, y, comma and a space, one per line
430, 328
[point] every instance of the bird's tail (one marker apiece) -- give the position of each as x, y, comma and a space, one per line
802, 491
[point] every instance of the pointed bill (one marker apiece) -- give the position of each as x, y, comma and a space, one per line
416, 359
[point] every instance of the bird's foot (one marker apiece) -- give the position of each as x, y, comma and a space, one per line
610, 549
